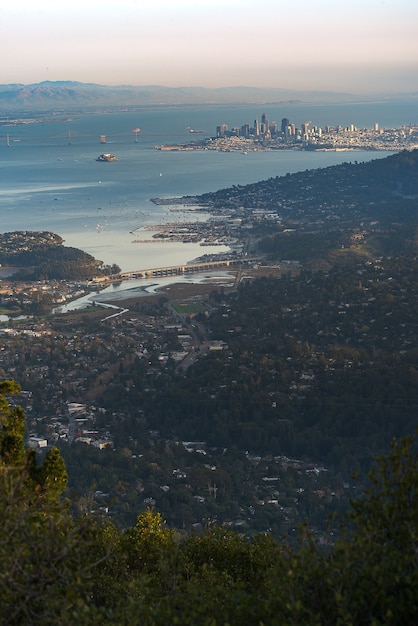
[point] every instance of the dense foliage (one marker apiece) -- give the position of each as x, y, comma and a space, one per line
58, 569
341, 195
319, 366
340, 247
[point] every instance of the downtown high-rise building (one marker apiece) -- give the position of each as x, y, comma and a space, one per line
264, 124
221, 130
285, 124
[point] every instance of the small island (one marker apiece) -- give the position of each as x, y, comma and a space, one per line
107, 157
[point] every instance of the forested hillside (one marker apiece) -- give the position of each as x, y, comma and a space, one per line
58, 569
42, 256
350, 194
321, 366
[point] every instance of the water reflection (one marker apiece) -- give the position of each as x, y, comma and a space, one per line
139, 287
8, 318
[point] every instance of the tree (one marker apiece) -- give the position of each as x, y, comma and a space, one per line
52, 475
370, 575
50, 478
45, 570
147, 542
376, 562
12, 427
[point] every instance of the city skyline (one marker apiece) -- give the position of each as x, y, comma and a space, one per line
367, 47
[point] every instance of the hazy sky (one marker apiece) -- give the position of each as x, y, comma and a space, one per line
361, 46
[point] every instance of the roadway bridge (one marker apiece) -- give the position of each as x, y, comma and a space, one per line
190, 268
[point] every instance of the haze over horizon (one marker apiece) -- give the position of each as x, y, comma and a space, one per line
367, 46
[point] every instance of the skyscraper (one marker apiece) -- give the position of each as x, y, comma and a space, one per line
264, 124
221, 130
285, 124
245, 130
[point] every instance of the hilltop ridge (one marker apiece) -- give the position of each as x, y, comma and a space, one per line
74, 94
349, 193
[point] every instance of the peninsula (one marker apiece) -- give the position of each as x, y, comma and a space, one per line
266, 135
41, 255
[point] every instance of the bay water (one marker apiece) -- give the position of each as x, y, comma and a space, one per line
50, 179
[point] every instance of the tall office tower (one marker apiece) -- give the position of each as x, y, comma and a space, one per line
273, 128
256, 128
290, 131
221, 130
285, 124
265, 121
376, 126
245, 130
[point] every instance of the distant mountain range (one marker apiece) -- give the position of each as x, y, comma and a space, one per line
49, 95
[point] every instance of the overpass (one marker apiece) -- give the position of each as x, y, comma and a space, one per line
190, 268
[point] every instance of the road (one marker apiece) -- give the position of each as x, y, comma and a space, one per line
199, 335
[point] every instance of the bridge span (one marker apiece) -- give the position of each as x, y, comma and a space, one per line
190, 268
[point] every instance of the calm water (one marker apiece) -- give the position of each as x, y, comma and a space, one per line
50, 180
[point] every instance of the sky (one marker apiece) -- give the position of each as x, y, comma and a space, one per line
352, 46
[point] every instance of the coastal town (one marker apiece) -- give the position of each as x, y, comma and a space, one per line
193, 400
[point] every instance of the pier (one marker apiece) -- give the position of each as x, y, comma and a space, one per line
188, 268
